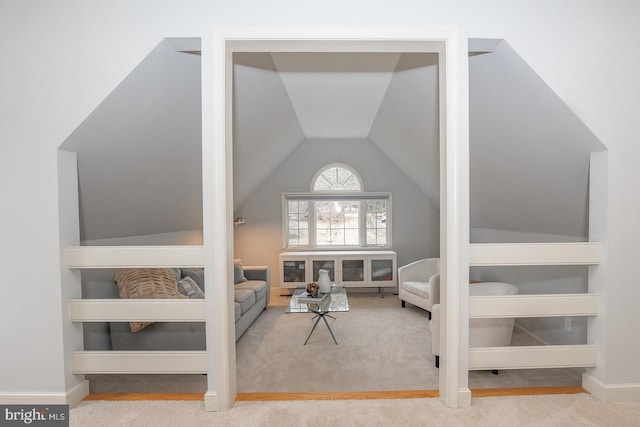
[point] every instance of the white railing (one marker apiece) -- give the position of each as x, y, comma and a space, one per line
153, 310
139, 362
503, 254
499, 254
135, 256
548, 305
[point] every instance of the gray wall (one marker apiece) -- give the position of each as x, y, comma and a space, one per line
416, 229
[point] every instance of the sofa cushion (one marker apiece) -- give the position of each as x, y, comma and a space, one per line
257, 286
197, 274
238, 272
238, 310
187, 286
245, 297
419, 288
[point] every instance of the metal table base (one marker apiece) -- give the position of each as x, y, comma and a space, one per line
321, 315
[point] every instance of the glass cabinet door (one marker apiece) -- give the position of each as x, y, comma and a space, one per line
294, 271
381, 270
353, 270
326, 264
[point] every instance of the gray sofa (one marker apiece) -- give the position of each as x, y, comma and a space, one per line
251, 298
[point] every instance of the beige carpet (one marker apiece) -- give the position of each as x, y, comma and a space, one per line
381, 346
557, 410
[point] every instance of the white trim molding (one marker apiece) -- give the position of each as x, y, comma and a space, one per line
151, 310
528, 357
71, 397
542, 305
611, 392
218, 175
135, 256
505, 254
139, 362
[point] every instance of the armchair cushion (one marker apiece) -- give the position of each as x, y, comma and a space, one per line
419, 288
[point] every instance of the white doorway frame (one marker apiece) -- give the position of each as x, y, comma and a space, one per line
217, 123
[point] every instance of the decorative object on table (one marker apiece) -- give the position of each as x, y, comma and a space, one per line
313, 289
317, 300
324, 281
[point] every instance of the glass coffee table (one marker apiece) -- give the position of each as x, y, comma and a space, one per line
335, 303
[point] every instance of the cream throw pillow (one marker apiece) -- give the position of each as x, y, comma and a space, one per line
147, 283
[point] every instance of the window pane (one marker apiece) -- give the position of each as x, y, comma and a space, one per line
351, 237
376, 223
298, 223
336, 178
303, 239
323, 236
337, 237
352, 184
322, 184
333, 219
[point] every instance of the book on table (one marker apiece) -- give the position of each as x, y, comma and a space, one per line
305, 298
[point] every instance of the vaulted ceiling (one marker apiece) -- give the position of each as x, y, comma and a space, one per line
139, 151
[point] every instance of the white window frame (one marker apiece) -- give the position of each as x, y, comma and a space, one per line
336, 195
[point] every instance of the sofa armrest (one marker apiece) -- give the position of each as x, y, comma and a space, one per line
259, 272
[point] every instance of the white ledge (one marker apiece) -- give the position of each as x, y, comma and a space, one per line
505, 254
549, 305
139, 362
135, 256
152, 310
533, 357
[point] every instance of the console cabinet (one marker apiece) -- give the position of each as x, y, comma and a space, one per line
350, 268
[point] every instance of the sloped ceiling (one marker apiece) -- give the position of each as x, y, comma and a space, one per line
529, 153
266, 128
336, 95
281, 99
406, 128
139, 151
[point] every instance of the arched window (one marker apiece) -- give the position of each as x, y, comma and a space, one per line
337, 213
336, 177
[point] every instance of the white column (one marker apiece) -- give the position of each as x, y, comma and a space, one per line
454, 225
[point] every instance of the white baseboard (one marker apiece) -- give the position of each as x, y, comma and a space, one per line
213, 402
77, 393
611, 392
70, 397
464, 398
